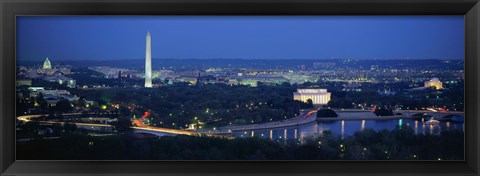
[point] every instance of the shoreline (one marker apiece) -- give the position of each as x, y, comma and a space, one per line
316, 119
348, 115
277, 124
361, 118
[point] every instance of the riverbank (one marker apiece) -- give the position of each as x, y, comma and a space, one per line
343, 115
361, 118
278, 124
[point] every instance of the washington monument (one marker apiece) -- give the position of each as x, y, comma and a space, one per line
148, 62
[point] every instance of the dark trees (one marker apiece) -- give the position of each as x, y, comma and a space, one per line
383, 112
326, 113
63, 106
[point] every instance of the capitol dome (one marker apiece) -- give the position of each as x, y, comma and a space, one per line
47, 64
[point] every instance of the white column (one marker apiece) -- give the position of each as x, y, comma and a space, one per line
148, 62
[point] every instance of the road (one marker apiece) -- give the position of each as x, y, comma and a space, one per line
139, 126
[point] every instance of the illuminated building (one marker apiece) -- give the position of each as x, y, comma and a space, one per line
262, 72
232, 82
60, 79
148, 62
318, 96
48, 69
55, 92
295, 78
47, 64
36, 89
111, 72
434, 82
252, 81
190, 79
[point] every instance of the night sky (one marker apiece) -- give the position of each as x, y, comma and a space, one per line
252, 37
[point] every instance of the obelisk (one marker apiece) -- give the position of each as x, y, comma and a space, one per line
148, 62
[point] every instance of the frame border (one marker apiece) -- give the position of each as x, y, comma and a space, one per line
12, 8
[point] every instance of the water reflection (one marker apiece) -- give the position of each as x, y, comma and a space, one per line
344, 128
416, 127
363, 125
271, 134
302, 137
423, 127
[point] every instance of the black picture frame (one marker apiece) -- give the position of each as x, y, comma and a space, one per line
12, 8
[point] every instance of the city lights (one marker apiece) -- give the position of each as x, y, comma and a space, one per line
309, 99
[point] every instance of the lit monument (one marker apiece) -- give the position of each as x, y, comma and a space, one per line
47, 64
435, 82
148, 62
318, 96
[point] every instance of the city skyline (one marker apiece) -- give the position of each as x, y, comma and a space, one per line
387, 110
285, 100
321, 37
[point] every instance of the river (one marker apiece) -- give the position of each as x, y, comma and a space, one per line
343, 128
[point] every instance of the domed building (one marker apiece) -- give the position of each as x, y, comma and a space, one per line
47, 64
49, 69
46, 68
434, 82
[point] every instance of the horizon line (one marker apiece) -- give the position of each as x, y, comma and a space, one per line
230, 59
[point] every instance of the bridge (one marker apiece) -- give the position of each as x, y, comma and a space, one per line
408, 113
435, 115
354, 114
224, 132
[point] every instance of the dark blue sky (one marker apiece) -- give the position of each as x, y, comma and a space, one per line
248, 37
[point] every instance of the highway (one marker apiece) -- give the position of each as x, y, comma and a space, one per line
138, 126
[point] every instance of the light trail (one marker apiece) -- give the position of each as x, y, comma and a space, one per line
137, 125
141, 126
